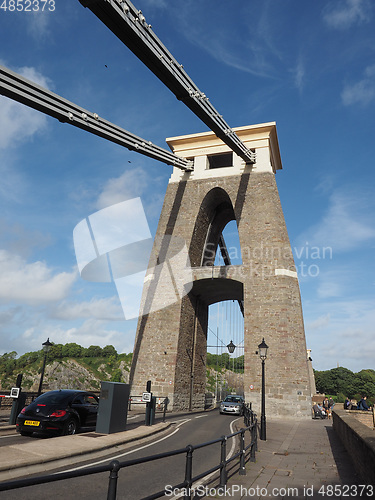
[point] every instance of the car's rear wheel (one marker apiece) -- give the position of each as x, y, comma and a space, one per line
70, 427
25, 433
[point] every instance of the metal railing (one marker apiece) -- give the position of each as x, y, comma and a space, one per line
6, 400
245, 453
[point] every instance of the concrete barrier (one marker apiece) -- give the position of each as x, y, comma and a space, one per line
359, 441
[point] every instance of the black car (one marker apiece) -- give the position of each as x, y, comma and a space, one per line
59, 413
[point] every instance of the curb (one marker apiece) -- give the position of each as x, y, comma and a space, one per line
4, 429
31, 458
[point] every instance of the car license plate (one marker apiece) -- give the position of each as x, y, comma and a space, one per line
35, 423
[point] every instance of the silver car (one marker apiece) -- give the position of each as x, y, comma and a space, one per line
232, 404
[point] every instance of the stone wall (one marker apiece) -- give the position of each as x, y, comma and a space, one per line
170, 347
359, 441
366, 417
272, 305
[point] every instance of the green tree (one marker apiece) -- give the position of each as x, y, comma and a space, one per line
366, 382
117, 375
94, 351
56, 351
27, 359
342, 381
8, 363
108, 351
333, 381
71, 350
9, 355
239, 364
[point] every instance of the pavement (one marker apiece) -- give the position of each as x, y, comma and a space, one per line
299, 459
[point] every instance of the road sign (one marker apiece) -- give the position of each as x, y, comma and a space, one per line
146, 397
14, 392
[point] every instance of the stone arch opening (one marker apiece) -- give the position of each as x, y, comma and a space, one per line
225, 368
212, 290
215, 212
232, 245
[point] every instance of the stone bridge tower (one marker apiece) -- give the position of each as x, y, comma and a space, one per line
170, 346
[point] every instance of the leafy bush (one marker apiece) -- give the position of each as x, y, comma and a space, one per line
343, 381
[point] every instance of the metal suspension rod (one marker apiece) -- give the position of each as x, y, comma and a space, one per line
226, 258
130, 26
26, 92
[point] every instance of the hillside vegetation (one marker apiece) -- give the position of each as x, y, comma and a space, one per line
67, 366
73, 366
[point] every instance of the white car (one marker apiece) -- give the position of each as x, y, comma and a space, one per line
232, 404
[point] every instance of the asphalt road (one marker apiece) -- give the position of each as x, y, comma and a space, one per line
12, 437
139, 481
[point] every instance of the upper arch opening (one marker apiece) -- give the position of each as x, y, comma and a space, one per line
214, 214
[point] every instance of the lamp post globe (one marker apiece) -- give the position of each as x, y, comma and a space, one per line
46, 347
231, 347
262, 350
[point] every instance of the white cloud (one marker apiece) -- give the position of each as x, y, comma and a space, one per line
343, 15
329, 288
361, 92
339, 280
347, 224
31, 283
248, 47
17, 121
7, 316
160, 4
299, 74
108, 309
343, 334
38, 24
13, 185
21, 241
92, 332
318, 323
130, 184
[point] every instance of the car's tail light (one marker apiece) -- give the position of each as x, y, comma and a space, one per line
23, 410
58, 413
39, 404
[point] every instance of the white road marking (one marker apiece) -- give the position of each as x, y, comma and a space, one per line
201, 416
107, 460
233, 440
205, 479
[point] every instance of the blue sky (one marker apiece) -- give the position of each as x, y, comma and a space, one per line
309, 66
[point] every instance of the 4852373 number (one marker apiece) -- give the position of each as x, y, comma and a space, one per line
344, 490
28, 5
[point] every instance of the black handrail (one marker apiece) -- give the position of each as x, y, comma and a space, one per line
114, 466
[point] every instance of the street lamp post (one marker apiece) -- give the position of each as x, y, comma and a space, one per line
46, 347
263, 348
231, 348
